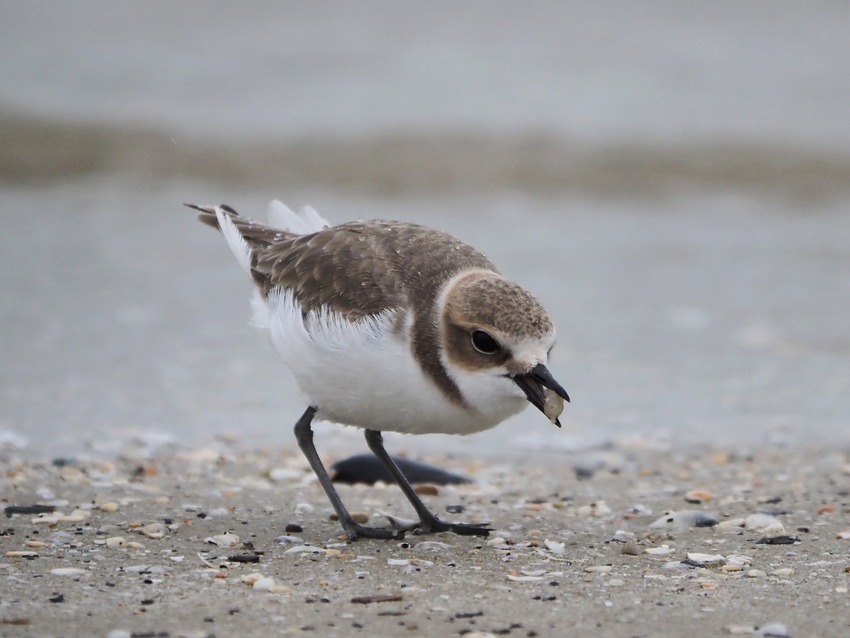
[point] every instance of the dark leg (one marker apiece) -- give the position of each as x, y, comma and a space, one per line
428, 523
304, 436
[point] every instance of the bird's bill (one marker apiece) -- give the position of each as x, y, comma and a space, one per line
534, 383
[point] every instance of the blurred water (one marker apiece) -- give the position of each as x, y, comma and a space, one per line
591, 70
672, 182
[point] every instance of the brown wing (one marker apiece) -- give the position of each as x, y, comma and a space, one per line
360, 268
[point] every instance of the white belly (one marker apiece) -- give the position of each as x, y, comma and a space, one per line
364, 373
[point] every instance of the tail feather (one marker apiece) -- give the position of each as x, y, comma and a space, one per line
221, 218
304, 222
245, 236
238, 246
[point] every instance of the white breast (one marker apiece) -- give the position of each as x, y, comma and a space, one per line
363, 373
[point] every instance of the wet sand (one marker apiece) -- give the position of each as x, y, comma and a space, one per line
129, 549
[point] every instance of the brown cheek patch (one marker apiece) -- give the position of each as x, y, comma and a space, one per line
460, 351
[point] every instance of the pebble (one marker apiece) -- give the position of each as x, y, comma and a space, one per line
660, 551
598, 569
304, 549
742, 559
47, 518
532, 572
304, 508
554, 546
699, 496
68, 571
141, 569
410, 564
638, 509
621, 536
782, 539
844, 536
756, 573
265, 583
597, 509
227, 539
698, 559
16, 553
258, 581
110, 506
523, 579
115, 542
119, 633
683, 519
432, 546
760, 523
426, 489
736, 563
783, 572
774, 630
154, 530
764, 524
360, 518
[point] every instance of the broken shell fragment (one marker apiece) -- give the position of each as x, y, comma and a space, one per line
553, 405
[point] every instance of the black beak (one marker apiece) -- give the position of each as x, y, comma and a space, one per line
533, 382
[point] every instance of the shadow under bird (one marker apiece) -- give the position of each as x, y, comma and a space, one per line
392, 326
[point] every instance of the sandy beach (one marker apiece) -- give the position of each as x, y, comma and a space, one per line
615, 541
671, 181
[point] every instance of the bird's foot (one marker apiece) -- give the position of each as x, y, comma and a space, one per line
354, 531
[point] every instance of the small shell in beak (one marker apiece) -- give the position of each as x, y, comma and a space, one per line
553, 405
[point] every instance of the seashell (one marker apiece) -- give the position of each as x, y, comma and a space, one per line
227, 539
684, 519
698, 559
68, 571
554, 546
553, 405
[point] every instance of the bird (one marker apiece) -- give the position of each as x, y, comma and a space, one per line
392, 326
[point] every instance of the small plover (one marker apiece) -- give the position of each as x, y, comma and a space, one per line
392, 326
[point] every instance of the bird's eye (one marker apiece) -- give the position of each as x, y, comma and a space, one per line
484, 343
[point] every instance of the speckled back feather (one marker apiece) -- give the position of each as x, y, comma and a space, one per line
397, 263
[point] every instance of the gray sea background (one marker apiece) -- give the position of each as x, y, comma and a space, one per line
672, 180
